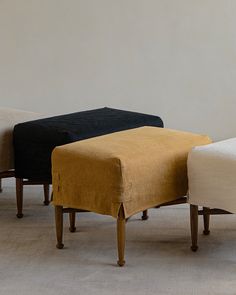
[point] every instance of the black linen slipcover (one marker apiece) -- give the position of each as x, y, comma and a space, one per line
34, 141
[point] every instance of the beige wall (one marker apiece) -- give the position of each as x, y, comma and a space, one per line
175, 58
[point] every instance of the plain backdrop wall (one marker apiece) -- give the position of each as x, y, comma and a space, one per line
174, 58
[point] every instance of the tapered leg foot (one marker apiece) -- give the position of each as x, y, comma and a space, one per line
46, 189
194, 248
59, 226
19, 197
194, 226
72, 216
121, 263
60, 246
121, 237
206, 232
72, 229
206, 221
19, 215
145, 215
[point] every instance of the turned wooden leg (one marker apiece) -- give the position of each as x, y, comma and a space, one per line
145, 215
194, 226
19, 197
59, 225
0, 185
121, 237
206, 220
46, 188
72, 216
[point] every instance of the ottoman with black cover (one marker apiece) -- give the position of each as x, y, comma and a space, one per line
34, 141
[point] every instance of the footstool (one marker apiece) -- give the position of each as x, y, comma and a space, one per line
212, 185
8, 119
121, 174
34, 141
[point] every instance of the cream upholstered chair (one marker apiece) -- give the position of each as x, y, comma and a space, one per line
8, 119
212, 185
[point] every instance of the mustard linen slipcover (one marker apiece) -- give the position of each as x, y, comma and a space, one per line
138, 168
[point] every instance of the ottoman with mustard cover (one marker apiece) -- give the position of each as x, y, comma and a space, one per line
121, 174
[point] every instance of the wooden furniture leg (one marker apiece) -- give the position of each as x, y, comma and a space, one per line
19, 197
121, 237
59, 225
194, 226
46, 188
0, 185
72, 216
145, 215
206, 220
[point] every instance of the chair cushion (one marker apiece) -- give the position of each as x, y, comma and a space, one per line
138, 168
211, 172
34, 141
8, 118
